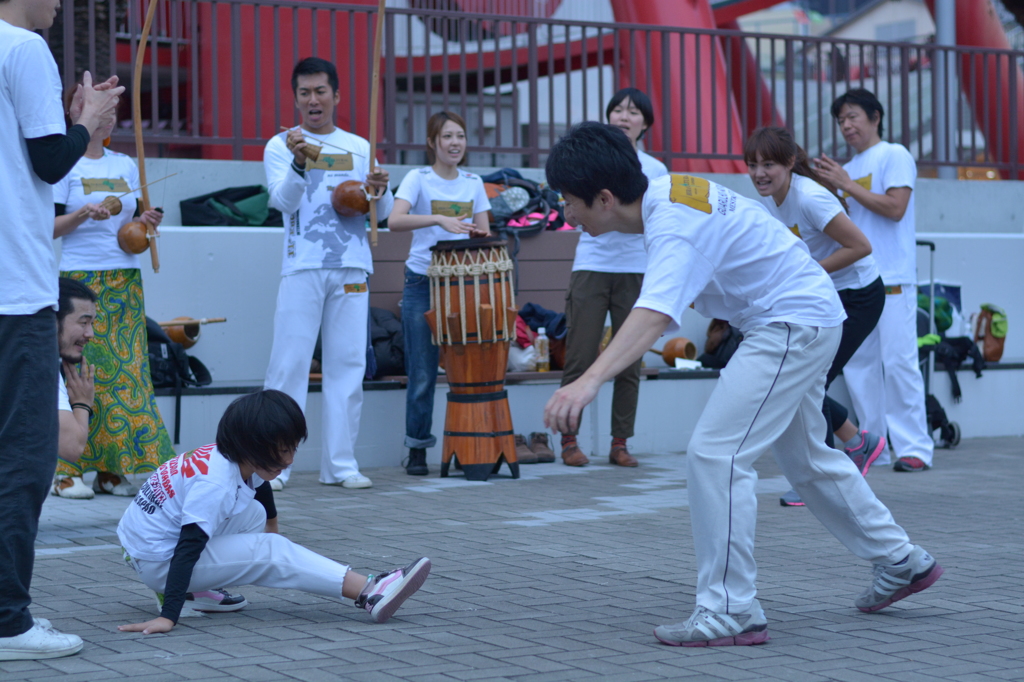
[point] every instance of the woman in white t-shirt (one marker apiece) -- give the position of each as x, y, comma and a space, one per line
794, 193
607, 275
126, 433
438, 202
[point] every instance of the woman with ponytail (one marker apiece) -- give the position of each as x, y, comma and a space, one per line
797, 196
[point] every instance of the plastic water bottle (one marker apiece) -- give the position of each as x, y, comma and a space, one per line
543, 348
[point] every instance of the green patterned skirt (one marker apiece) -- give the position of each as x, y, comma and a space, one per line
126, 433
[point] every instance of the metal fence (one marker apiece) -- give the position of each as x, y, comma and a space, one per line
217, 81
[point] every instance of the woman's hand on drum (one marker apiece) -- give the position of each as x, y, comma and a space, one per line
454, 225
562, 413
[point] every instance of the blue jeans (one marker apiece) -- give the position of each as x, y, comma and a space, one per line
420, 362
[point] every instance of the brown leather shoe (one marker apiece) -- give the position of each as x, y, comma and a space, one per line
539, 446
620, 456
573, 456
524, 455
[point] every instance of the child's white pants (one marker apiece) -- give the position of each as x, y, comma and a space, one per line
310, 301
885, 382
770, 396
239, 553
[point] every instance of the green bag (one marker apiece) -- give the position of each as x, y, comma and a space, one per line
943, 311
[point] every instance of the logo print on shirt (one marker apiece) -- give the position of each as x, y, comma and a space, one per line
107, 185
331, 162
864, 182
795, 229
452, 209
197, 461
691, 191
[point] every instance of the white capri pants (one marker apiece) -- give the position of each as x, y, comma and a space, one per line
885, 382
769, 396
239, 553
309, 301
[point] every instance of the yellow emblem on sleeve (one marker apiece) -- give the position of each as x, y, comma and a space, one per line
452, 209
691, 191
90, 185
864, 182
331, 162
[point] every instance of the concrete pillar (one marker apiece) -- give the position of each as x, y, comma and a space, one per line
945, 90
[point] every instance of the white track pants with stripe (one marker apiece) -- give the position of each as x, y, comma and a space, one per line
239, 553
885, 382
309, 301
770, 396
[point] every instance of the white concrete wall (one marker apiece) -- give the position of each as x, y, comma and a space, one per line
234, 273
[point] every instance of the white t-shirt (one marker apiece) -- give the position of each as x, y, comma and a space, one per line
63, 402
315, 236
730, 258
30, 107
879, 168
806, 211
430, 194
93, 244
617, 251
202, 487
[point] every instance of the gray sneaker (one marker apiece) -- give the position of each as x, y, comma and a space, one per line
707, 628
889, 584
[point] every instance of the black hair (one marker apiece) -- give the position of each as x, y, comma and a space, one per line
591, 157
71, 289
310, 66
866, 100
639, 99
777, 144
258, 427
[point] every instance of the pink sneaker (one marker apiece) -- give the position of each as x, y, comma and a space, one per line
384, 593
865, 454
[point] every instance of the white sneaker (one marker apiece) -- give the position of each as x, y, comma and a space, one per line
71, 487
39, 642
112, 484
357, 481
277, 485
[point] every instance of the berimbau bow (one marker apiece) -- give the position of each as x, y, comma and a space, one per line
140, 152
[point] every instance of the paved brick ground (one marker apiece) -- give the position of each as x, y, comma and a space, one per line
562, 575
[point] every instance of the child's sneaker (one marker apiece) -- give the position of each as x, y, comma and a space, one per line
215, 601
865, 454
384, 593
910, 464
892, 583
707, 628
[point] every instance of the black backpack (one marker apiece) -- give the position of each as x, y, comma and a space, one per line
171, 367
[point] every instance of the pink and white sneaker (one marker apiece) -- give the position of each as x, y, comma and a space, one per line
215, 601
384, 593
865, 454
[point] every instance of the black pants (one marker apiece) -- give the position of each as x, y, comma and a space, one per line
28, 453
863, 308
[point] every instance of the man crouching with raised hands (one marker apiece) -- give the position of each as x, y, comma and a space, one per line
726, 255
196, 525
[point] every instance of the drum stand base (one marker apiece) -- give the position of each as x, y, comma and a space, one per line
478, 433
480, 472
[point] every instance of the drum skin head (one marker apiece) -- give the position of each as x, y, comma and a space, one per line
463, 244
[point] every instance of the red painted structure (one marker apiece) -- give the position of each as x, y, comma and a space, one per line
986, 77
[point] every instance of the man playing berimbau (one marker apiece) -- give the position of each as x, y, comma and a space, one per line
726, 255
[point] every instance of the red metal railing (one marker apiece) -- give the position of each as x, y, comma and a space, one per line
218, 81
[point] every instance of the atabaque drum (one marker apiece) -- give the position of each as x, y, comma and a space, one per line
473, 319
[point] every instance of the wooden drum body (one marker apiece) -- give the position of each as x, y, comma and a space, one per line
473, 318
